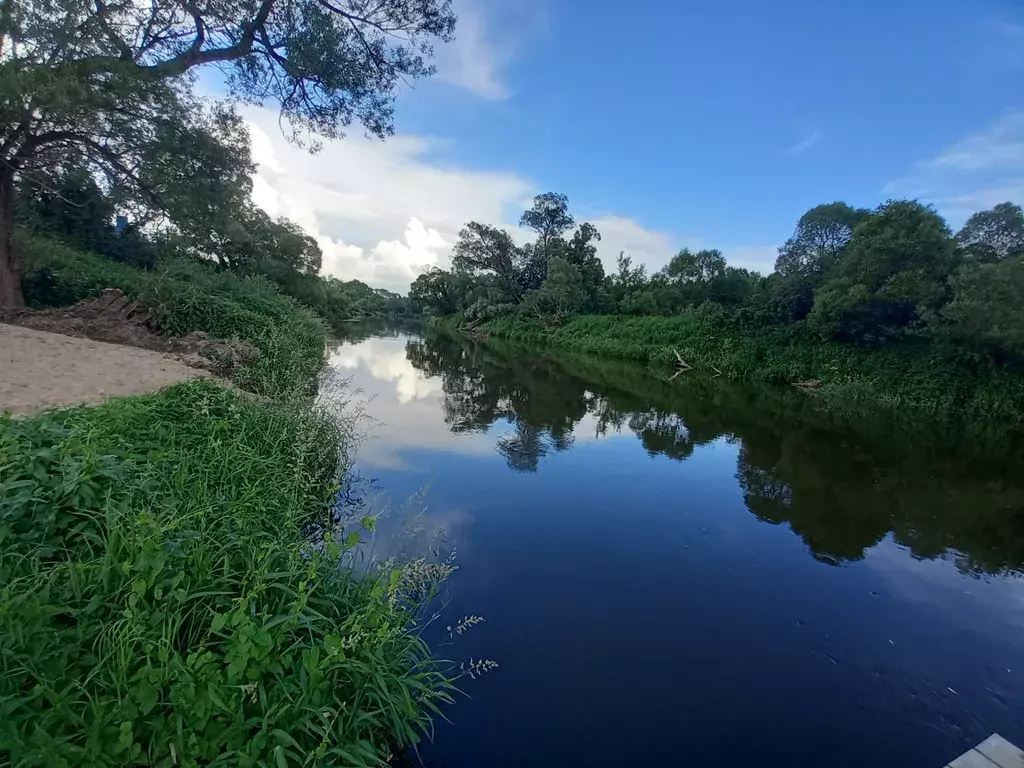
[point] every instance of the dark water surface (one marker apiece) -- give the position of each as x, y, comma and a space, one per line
694, 573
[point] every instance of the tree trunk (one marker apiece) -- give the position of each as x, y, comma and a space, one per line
10, 270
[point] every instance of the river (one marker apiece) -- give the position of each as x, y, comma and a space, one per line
693, 572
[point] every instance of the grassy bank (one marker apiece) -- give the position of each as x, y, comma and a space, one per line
186, 295
905, 375
173, 581
162, 602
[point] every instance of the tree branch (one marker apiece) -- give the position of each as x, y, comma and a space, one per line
111, 35
194, 56
374, 59
200, 39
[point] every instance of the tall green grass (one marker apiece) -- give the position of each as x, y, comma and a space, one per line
185, 296
168, 598
906, 375
175, 589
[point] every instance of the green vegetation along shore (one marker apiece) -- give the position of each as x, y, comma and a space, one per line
908, 375
173, 580
175, 587
884, 306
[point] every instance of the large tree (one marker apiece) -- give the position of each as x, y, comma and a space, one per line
986, 315
256, 243
437, 292
581, 252
893, 273
820, 237
483, 248
697, 268
562, 293
994, 234
104, 79
549, 217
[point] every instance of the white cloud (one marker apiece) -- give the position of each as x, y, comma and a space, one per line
655, 249
474, 61
265, 196
263, 153
386, 361
381, 211
756, 258
384, 212
960, 207
997, 148
646, 246
804, 144
976, 172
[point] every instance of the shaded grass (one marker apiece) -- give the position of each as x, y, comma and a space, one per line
162, 601
906, 375
187, 295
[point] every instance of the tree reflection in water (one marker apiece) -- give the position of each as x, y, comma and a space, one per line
841, 482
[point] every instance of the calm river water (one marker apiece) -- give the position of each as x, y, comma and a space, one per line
692, 573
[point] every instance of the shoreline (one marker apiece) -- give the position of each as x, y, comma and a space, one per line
190, 533
902, 379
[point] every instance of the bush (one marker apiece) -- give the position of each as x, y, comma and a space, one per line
986, 317
186, 295
904, 374
164, 601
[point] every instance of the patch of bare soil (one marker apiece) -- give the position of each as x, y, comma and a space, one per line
115, 319
98, 349
41, 370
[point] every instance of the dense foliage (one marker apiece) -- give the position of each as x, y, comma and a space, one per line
109, 87
886, 302
173, 582
170, 589
73, 208
171, 592
188, 295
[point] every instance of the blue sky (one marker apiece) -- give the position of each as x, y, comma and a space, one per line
710, 124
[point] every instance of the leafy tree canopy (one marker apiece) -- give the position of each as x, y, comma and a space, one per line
994, 234
562, 293
695, 267
482, 248
892, 274
986, 314
820, 237
437, 292
107, 81
549, 218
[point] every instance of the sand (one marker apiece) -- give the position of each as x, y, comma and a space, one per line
41, 370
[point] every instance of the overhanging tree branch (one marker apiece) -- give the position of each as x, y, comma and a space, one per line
102, 11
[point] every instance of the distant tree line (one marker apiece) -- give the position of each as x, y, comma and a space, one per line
867, 277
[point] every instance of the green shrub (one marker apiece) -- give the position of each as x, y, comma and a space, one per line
163, 600
910, 373
187, 295
56, 275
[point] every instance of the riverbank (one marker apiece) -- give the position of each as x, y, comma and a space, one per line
901, 376
172, 575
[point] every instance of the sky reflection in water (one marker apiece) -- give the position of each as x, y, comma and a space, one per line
696, 573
